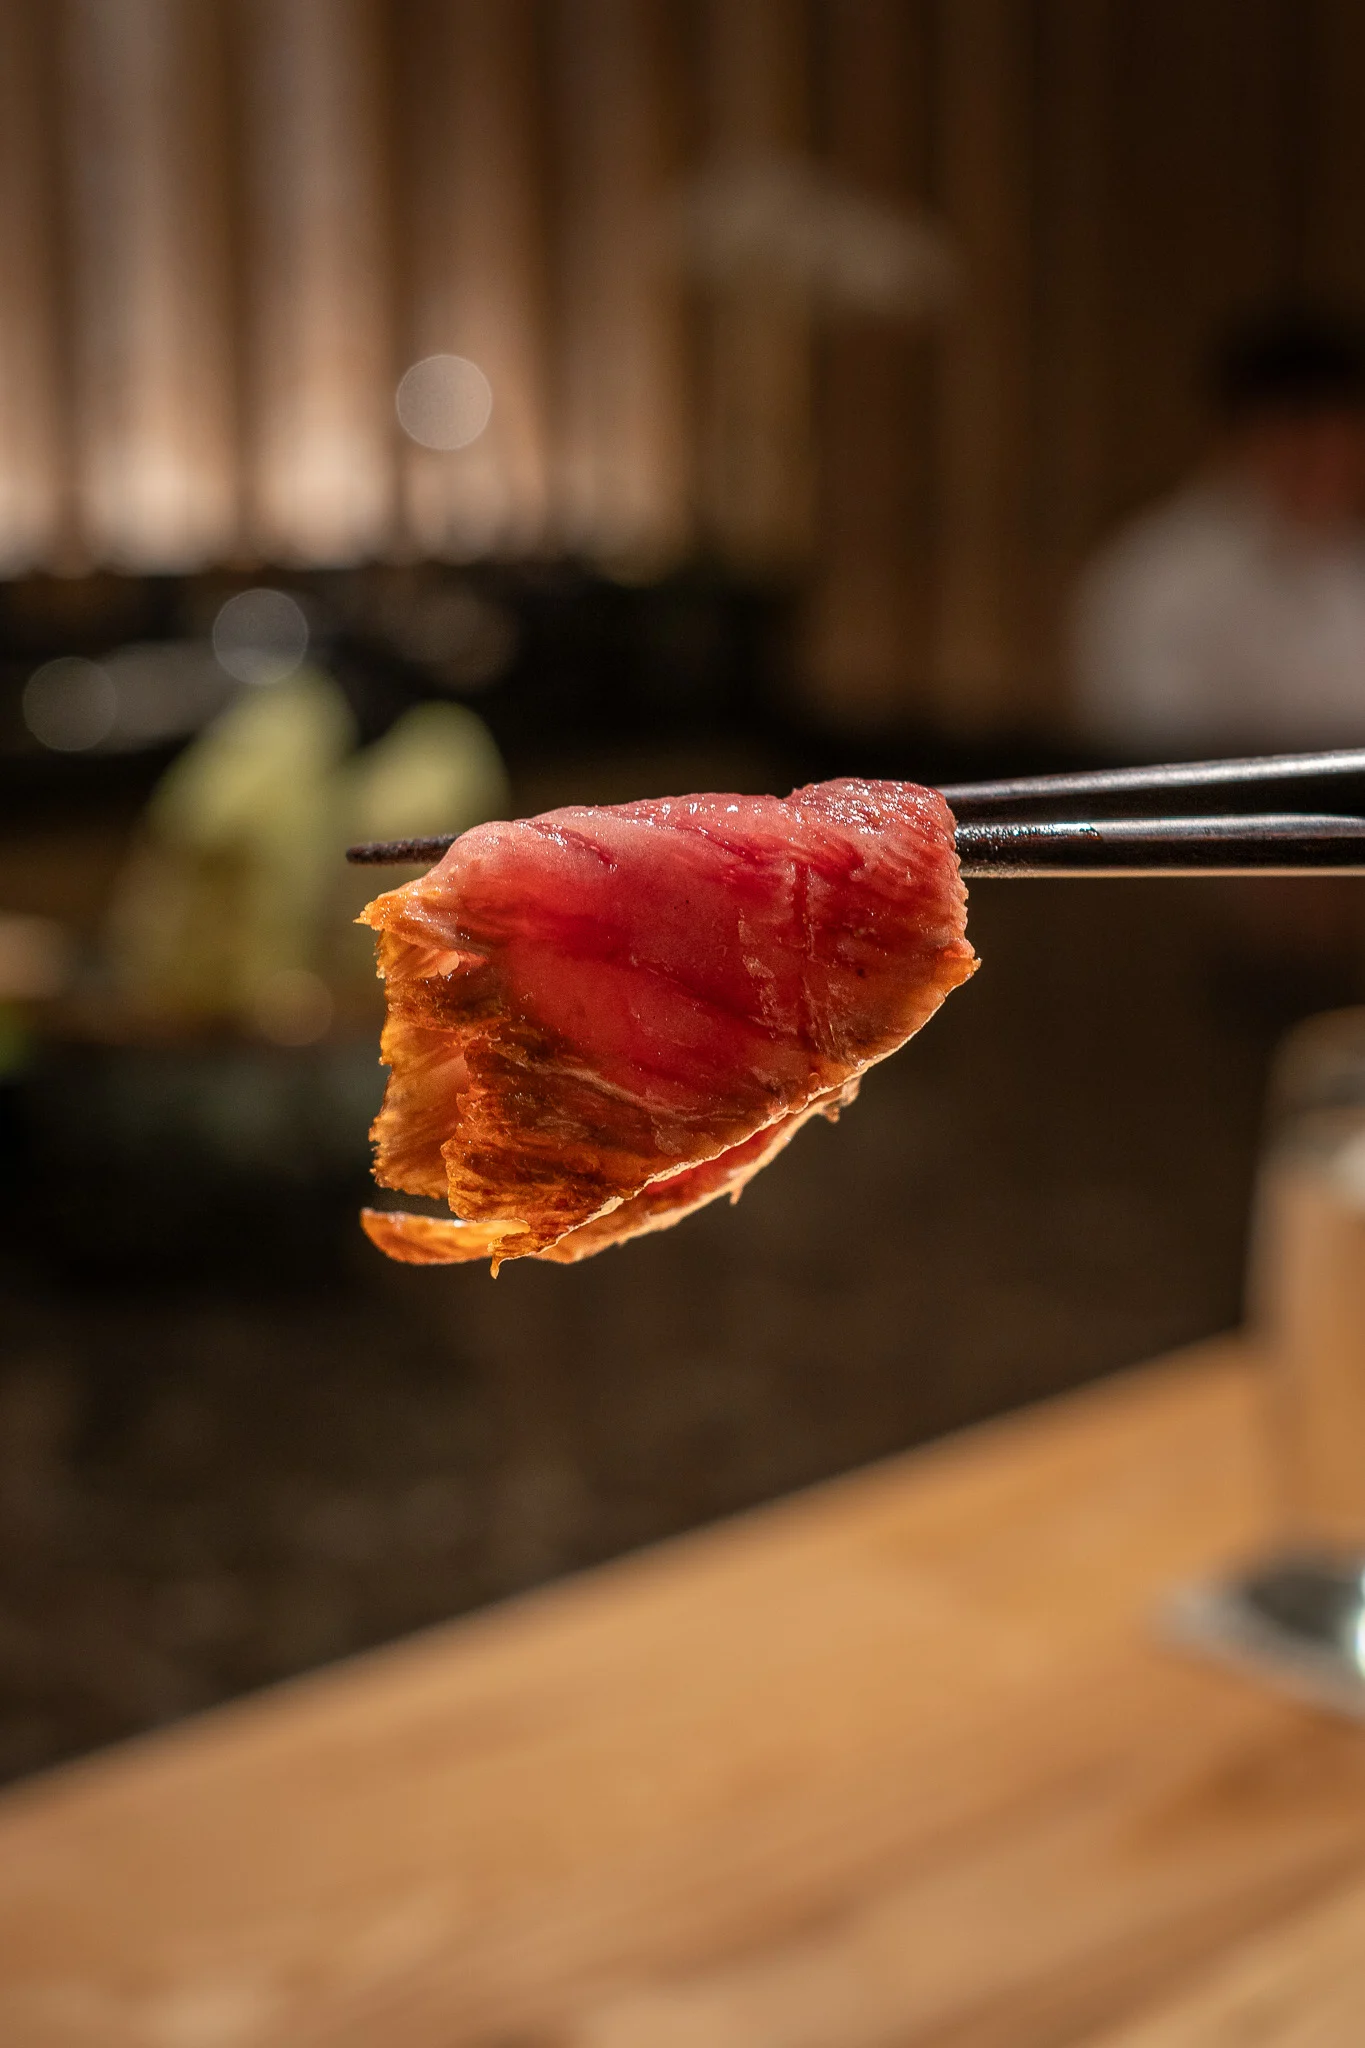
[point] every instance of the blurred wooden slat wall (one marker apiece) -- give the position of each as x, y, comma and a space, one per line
143, 145
32, 446
317, 280
626, 418
986, 102
1068, 485
871, 612
227, 226
756, 480
470, 157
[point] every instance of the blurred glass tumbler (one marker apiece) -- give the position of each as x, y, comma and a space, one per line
1297, 1615
1307, 1284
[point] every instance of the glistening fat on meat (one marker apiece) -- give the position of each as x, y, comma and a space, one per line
603, 1018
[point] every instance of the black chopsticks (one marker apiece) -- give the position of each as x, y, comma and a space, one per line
392, 853
1249, 772
989, 845
1131, 843
1277, 843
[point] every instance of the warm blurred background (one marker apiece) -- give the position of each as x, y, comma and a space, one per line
415, 408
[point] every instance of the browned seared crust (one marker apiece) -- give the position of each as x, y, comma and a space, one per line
447, 1241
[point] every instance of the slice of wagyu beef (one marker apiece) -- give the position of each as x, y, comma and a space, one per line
602, 1018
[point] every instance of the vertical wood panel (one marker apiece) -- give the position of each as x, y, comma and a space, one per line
1072, 292
149, 286
984, 106
478, 284
626, 424
866, 642
32, 454
757, 476
1203, 214
321, 364
1333, 256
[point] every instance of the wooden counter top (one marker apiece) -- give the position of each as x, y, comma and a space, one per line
896, 1762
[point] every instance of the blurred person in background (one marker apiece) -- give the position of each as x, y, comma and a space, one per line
1231, 618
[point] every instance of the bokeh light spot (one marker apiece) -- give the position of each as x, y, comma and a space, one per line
260, 636
35, 958
292, 1007
70, 705
444, 402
